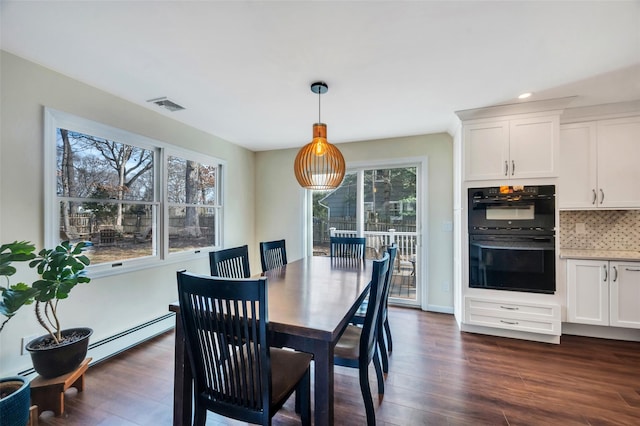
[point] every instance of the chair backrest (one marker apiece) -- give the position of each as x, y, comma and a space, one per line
349, 247
273, 254
371, 320
230, 263
393, 251
231, 379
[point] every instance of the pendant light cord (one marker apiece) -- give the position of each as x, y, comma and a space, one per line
319, 92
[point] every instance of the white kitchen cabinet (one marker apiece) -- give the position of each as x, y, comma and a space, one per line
515, 148
599, 164
601, 292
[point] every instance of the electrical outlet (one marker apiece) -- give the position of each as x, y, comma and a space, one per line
581, 228
445, 286
23, 343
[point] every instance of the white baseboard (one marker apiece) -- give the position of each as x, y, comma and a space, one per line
113, 345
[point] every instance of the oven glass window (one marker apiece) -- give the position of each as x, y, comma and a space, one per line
521, 212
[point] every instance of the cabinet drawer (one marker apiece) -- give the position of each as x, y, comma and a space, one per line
531, 317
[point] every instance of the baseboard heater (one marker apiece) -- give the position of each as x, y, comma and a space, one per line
113, 345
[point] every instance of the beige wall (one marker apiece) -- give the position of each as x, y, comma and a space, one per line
112, 304
279, 200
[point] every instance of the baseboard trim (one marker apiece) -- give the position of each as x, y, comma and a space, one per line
111, 346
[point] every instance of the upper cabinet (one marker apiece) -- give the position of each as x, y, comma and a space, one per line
511, 148
600, 164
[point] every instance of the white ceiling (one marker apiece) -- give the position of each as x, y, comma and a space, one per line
242, 69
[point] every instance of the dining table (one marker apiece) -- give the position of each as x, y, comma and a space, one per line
310, 303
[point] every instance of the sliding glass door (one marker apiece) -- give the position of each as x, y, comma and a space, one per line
382, 204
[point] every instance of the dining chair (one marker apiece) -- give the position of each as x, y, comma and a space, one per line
383, 326
357, 346
248, 382
273, 254
347, 247
230, 263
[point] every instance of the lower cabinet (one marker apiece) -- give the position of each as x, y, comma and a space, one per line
601, 292
519, 316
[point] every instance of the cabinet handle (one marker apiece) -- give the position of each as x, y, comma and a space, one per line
632, 269
615, 274
506, 168
595, 197
513, 167
509, 322
601, 196
510, 308
605, 272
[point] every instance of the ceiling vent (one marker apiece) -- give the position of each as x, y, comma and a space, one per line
166, 103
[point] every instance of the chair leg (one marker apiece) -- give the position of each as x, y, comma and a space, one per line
388, 331
200, 417
378, 367
304, 390
383, 351
366, 395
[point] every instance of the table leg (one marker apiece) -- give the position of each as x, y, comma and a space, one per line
323, 376
182, 387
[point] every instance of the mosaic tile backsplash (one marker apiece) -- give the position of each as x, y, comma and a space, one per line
603, 229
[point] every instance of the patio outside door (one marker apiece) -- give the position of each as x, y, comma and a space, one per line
381, 204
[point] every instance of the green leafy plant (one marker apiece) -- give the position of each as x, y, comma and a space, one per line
60, 270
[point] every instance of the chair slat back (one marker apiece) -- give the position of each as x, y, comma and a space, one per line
372, 319
273, 254
217, 313
230, 263
348, 247
392, 251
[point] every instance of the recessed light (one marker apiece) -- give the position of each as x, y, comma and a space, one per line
525, 95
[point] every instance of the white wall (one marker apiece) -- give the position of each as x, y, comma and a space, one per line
279, 199
112, 304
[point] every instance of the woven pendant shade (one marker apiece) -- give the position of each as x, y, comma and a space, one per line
319, 165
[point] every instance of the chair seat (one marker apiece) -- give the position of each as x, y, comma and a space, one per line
348, 347
287, 367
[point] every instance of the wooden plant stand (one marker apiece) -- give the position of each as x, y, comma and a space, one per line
48, 394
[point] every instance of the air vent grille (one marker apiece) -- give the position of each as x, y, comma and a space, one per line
166, 103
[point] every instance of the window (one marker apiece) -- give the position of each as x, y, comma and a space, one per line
134, 200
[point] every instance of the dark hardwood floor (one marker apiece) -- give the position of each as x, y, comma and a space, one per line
438, 376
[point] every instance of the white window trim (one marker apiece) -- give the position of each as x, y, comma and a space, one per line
54, 119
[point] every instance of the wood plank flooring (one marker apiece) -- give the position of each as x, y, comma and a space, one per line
438, 376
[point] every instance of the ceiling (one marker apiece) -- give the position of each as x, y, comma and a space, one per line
243, 69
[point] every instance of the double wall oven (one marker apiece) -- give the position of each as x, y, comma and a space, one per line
512, 238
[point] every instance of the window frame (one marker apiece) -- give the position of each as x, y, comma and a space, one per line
54, 119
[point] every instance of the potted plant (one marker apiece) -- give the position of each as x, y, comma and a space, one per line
15, 392
60, 269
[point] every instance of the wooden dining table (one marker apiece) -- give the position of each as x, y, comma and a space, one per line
310, 303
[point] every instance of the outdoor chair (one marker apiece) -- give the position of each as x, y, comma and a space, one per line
230, 263
358, 345
248, 382
348, 247
383, 326
273, 254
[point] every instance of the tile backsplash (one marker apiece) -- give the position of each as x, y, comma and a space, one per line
600, 229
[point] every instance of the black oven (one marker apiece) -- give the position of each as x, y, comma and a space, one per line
512, 238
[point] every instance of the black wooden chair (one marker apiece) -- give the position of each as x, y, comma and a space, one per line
358, 345
383, 327
248, 382
347, 247
273, 254
230, 263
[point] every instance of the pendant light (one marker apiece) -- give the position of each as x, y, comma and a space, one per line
319, 165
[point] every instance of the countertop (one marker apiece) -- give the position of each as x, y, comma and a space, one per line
600, 254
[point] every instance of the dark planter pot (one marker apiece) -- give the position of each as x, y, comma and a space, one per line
14, 407
53, 361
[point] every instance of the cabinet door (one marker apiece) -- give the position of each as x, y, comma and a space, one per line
486, 151
588, 292
533, 147
578, 166
619, 162
625, 294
